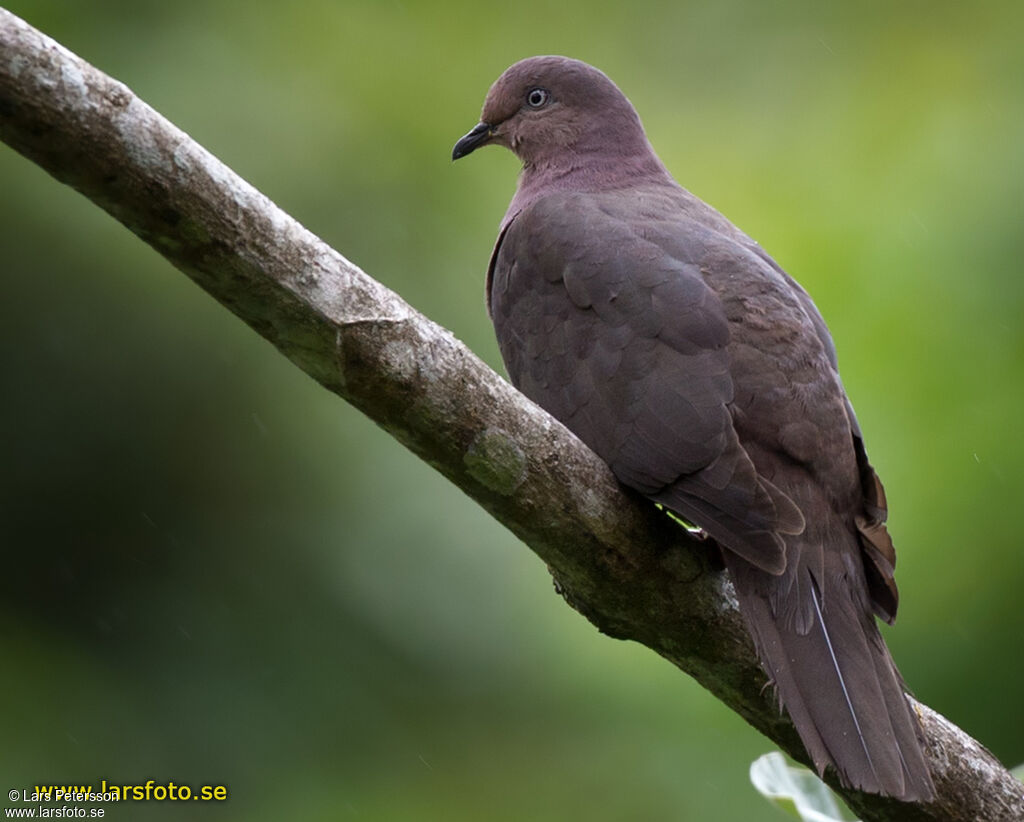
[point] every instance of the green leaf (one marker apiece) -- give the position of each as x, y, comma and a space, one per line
1018, 771
795, 789
689, 526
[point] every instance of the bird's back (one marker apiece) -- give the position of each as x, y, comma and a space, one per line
672, 345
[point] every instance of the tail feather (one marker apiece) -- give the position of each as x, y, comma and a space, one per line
837, 681
816, 597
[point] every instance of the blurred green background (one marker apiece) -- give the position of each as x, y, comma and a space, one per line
215, 572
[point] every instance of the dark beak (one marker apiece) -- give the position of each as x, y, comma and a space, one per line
480, 134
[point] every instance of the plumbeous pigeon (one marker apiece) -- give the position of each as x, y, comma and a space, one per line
685, 357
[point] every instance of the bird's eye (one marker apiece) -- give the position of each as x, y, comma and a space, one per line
537, 97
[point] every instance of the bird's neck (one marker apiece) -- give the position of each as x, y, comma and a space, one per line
587, 173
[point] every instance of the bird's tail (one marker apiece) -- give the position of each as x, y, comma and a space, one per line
834, 675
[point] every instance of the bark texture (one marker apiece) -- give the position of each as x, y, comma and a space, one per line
631, 571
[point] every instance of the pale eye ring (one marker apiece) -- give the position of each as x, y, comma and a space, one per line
537, 97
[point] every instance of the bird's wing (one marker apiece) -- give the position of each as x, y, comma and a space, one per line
876, 545
626, 344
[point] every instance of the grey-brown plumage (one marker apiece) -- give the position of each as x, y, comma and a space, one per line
682, 354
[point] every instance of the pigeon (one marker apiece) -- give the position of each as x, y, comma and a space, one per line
683, 355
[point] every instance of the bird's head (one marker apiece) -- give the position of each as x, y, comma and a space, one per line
553, 112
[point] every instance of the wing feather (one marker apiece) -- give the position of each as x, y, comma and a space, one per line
628, 345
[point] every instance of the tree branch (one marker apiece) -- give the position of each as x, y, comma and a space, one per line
632, 572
